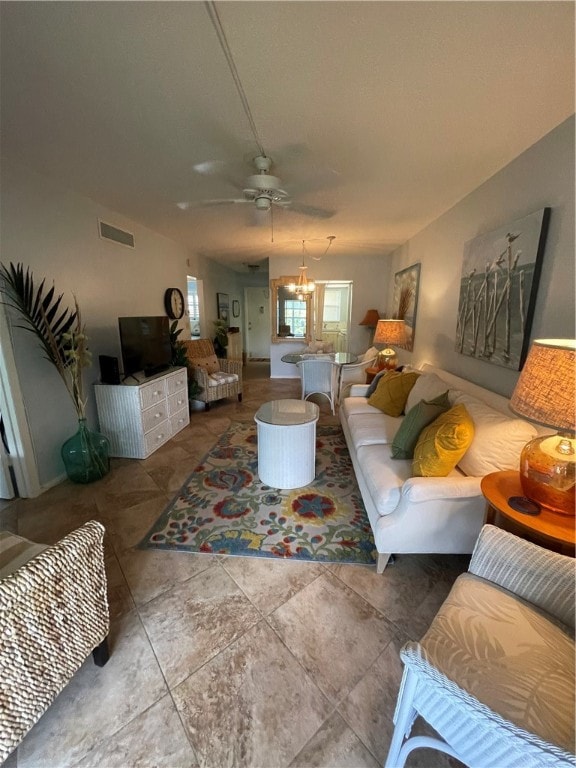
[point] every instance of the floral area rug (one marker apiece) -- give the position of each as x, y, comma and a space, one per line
223, 508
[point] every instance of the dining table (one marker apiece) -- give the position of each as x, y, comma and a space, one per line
340, 358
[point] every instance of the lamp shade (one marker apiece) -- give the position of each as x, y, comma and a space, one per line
545, 389
371, 318
390, 332
545, 393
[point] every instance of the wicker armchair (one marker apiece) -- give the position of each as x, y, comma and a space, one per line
218, 377
53, 614
494, 674
355, 373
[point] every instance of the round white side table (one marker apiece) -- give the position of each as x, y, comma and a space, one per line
287, 443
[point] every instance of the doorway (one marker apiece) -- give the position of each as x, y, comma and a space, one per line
257, 306
18, 470
195, 296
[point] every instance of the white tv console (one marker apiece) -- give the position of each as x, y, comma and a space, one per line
140, 415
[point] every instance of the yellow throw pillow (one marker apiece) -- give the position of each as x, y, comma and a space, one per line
392, 392
442, 443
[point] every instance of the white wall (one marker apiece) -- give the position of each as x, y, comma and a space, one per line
55, 232
543, 176
370, 276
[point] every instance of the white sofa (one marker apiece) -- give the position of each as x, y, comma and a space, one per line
429, 514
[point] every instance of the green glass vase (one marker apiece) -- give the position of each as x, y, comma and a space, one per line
86, 455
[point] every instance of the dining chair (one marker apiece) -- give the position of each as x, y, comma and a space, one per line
319, 377
355, 373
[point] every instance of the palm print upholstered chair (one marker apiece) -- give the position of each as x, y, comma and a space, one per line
494, 674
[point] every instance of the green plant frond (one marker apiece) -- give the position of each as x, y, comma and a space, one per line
63, 323
37, 310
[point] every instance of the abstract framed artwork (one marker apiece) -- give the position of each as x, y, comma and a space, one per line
223, 301
406, 286
498, 287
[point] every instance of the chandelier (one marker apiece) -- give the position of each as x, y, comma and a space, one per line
303, 287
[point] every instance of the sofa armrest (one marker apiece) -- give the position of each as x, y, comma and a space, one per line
543, 578
358, 390
53, 614
199, 374
417, 489
231, 366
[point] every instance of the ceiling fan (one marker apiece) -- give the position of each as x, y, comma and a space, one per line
261, 189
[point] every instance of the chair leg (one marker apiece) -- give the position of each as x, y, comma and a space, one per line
101, 653
206, 406
239, 397
404, 717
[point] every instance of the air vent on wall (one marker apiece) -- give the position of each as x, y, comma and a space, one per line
108, 232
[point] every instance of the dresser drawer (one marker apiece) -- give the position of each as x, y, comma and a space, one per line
154, 416
179, 420
157, 437
177, 382
177, 401
152, 393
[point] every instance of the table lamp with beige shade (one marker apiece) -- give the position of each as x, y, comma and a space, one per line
546, 394
391, 333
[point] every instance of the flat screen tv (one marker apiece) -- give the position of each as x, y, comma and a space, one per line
145, 343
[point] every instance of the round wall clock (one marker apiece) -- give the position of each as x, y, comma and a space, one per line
174, 303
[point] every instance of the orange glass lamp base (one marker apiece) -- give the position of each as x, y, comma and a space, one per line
387, 359
548, 473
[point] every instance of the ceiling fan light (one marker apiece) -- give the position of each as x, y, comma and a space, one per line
262, 203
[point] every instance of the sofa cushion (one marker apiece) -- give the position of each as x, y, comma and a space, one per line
210, 364
219, 377
442, 443
498, 439
351, 406
392, 392
373, 428
427, 387
474, 641
376, 380
418, 417
383, 477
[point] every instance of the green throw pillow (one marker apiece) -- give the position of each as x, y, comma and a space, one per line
418, 417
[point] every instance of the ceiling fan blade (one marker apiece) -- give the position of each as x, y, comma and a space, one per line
320, 180
211, 203
309, 210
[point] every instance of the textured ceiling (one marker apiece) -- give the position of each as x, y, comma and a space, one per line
386, 113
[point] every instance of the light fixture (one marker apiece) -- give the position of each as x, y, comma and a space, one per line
545, 393
370, 318
303, 287
389, 332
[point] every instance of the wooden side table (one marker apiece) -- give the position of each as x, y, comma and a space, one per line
550, 530
370, 373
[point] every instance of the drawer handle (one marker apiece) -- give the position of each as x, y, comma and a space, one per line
157, 415
179, 402
158, 392
160, 436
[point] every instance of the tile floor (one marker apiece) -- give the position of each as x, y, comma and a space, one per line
227, 661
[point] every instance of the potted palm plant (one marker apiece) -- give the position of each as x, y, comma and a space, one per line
180, 358
63, 339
